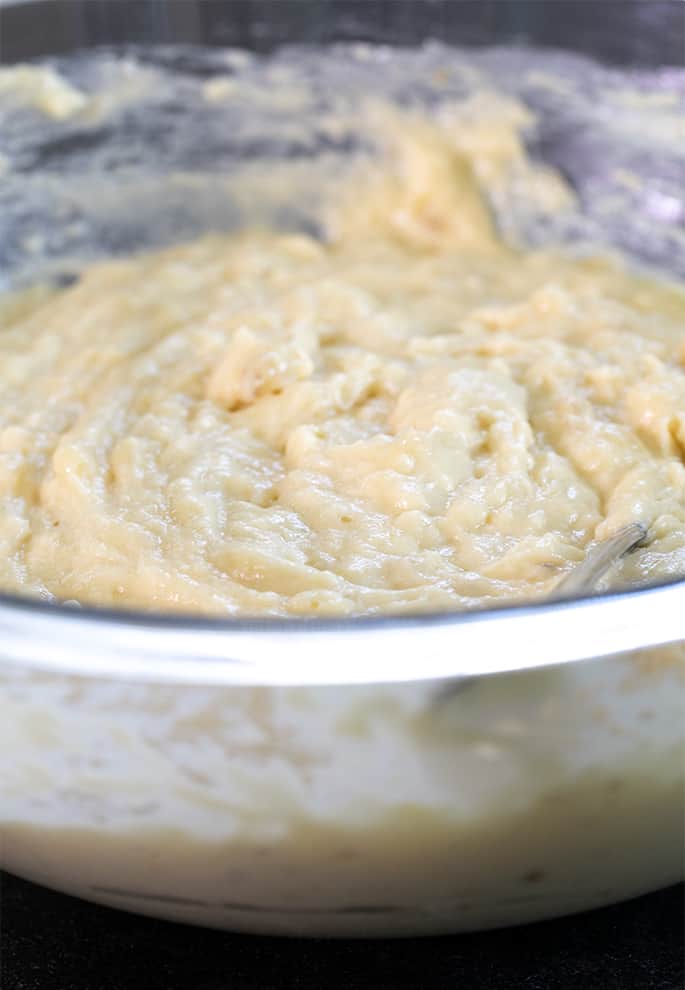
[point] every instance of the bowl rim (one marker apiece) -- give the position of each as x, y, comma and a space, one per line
190, 649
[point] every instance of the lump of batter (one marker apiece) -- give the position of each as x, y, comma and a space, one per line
410, 416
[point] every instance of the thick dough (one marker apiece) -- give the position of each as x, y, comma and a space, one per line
412, 416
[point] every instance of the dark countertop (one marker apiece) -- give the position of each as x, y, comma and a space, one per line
52, 942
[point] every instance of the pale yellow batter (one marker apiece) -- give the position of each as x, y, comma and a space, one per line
410, 417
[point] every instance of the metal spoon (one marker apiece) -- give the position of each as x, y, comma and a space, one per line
582, 578
600, 558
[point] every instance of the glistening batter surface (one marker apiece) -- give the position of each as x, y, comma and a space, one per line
412, 416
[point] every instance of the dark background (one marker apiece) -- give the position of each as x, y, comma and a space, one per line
625, 32
52, 942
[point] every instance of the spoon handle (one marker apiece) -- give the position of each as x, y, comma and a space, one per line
599, 559
581, 578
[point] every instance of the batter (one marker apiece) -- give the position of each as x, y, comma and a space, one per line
410, 416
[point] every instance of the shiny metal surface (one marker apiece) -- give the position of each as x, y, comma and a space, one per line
600, 558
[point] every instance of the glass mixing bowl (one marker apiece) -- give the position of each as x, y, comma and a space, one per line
302, 777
